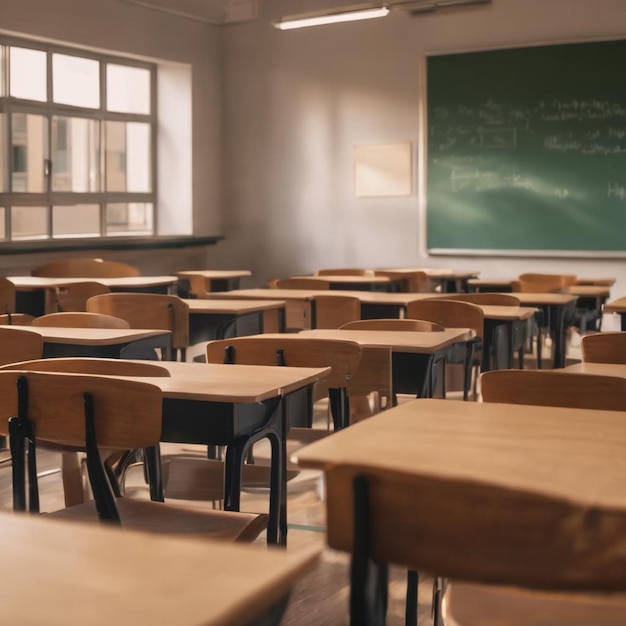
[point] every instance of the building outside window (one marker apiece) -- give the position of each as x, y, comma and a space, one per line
77, 143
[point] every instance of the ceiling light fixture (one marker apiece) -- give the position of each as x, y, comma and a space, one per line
317, 19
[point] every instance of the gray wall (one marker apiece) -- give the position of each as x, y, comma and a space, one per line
296, 103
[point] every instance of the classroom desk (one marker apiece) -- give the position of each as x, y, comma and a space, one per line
348, 282
556, 307
449, 281
75, 574
235, 406
216, 319
507, 494
599, 369
415, 355
100, 342
214, 280
619, 307
33, 293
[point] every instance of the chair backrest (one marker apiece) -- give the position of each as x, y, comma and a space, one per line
448, 313
604, 348
198, 285
16, 319
85, 268
300, 283
19, 345
7, 296
497, 299
74, 296
80, 319
147, 310
341, 356
394, 324
128, 413
353, 271
335, 311
85, 365
553, 388
416, 282
542, 283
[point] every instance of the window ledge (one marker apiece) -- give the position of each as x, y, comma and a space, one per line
101, 243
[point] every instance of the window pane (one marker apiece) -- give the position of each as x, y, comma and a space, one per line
4, 154
76, 81
29, 222
3, 233
3, 52
132, 218
79, 220
128, 89
29, 152
75, 150
128, 163
28, 74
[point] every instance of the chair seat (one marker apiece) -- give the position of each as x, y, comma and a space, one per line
194, 477
190, 520
480, 605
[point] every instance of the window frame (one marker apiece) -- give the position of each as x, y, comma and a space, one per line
49, 109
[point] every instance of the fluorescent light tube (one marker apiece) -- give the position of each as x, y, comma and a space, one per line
288, 23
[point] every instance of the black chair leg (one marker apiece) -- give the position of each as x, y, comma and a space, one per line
412, 582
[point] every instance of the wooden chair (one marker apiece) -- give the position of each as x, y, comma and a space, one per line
394, 324
604, 348
80, 319
416, 281
543, 283
335, 311
7, 296
98, 413
300, 283
342, 356
74, 296
119, 462
517, 607
344, 272
19, 345
455, 314
148, 310
85, 268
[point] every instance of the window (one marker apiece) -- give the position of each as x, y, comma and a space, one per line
77, 143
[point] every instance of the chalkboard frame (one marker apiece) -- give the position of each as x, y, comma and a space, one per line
591, 59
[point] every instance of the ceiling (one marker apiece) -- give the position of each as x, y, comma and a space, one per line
210, 11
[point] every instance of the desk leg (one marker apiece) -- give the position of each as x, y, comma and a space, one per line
274, 430
622, 317
339, 407
368, 579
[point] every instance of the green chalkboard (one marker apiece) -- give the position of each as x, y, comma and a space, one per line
527, 149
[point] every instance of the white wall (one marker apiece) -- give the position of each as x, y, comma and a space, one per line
131, 30
296, 103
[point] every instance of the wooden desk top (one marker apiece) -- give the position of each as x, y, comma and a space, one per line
232, 307
398, 341
92, 336
497, 312
336, 278
435, 272
603, 369
544, 298
617, 306
506, 282
490, 492
592, 291
31, 283
85, 574
218, 274
215, 382
209, 382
